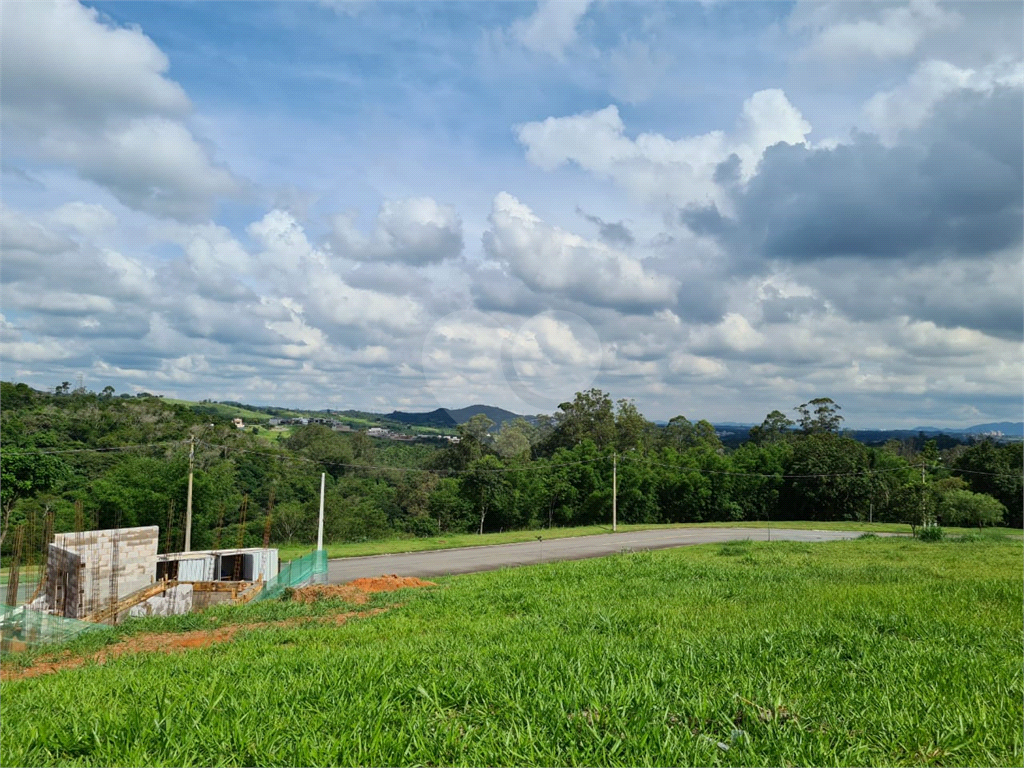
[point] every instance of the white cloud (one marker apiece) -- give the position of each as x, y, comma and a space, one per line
81, 92
307, 271
552, 27
89, 219
551, 259
656, 168
61, 61
693, 365
896, 33
414, 231
889, 113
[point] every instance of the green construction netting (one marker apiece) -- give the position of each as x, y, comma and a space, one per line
310, 569
22, 626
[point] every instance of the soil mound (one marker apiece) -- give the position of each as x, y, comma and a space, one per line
357, 591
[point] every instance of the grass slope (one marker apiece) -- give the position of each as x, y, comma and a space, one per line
866, 652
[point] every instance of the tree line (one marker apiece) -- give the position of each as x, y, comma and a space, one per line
126, 464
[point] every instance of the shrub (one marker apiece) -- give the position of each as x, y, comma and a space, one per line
931, 533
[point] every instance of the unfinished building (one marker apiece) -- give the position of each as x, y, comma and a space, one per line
109, 574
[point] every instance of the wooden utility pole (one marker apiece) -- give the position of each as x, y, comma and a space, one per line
188, 503
615, 490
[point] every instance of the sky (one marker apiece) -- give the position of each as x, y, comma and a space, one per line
715, 209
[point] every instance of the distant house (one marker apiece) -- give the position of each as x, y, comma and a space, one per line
378, 432
275, 421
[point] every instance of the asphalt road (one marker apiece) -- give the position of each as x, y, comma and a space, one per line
442, 562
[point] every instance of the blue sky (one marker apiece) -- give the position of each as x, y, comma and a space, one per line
716, 209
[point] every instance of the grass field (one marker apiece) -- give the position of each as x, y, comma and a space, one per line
388, 546
866, 652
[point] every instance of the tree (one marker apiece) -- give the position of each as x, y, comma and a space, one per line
997, 470
588, 416
63, 388
633, 431
289, 519
23, 475
819, 416
968, 508
107, 392
477, 429
829, 480
912, 504
449, 507
774, 428
485, 485
513, 441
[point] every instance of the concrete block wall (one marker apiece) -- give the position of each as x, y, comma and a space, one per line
136, 560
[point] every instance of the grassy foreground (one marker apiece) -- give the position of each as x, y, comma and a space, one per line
389, 546
866, 652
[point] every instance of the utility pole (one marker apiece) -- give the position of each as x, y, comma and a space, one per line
923, 521
188, 503
615, 490
320, 528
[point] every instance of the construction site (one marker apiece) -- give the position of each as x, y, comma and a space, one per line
69, 583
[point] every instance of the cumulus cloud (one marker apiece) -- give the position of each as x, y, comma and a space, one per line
894, 112
656, 168
414, 231
85, 93
62, 62
956, 188
550, 259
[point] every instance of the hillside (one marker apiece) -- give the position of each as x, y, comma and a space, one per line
438, 418
498, 415
452, 417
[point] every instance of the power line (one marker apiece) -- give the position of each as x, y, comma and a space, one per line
285, 457
36, 452
776, 476
502, 470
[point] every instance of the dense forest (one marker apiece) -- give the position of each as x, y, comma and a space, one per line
96, 460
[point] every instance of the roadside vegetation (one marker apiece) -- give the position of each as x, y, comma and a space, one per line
124, 462
866, 652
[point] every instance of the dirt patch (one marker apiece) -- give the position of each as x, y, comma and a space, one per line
168, 642
357, 591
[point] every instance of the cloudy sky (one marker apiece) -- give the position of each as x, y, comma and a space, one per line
717, 209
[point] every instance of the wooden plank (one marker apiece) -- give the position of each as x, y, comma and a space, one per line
139, 596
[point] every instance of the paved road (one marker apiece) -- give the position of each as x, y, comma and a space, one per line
442, 562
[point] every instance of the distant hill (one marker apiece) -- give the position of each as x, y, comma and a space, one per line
439, 418
1008, 428
452, 417
498, 415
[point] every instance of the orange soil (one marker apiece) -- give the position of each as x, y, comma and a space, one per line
357, 592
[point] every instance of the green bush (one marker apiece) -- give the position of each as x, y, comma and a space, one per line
931, 533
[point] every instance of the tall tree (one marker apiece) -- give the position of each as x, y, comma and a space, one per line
820, 416
774, 428
588, 417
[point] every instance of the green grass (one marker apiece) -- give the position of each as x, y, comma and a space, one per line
409, 544
227, 411
867, 652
